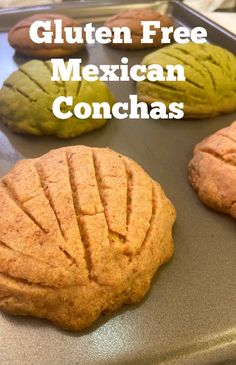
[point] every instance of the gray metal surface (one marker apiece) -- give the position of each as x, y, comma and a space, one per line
189, 316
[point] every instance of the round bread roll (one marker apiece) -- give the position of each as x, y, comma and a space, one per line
27, 96
82, 231
212, 171
132, 19
20, 40
209, 88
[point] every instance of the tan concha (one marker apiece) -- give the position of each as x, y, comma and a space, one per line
212, 170
133, 18
82, 231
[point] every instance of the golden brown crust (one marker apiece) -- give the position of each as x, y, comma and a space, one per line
82, 231
132, 18
212, 171
19, 38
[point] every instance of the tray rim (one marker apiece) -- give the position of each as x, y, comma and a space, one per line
114, 3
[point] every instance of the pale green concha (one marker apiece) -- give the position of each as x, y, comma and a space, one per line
210, 86
27, 96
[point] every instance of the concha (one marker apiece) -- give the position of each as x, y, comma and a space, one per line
82, 231
27, 96
209, 88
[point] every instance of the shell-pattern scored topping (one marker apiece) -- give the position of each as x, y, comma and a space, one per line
28, 94
212, 171
76, 222
210, 79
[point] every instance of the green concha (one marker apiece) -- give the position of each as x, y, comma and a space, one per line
210, 85
27, 96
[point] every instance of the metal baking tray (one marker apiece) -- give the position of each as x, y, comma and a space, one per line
189, 316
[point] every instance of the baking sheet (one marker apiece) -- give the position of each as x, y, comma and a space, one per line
189, 316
